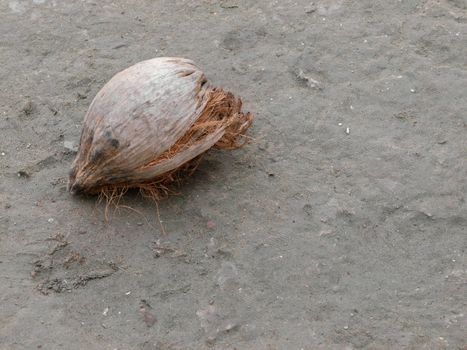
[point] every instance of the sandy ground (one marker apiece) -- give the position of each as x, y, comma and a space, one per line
315, 236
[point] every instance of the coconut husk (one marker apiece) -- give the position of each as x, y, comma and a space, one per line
149, 126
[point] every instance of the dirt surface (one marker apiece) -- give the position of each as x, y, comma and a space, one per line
343, 226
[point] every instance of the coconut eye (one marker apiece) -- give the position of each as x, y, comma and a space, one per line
109, 138
96, 155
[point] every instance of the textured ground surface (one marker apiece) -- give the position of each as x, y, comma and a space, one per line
309, 238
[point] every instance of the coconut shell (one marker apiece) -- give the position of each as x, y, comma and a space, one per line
150, 122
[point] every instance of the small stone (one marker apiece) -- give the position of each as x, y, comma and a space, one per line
211, 225
50, 220
27, 109
23, 173
347, 131
81, 96
211, 340
231, 327
229, 4
148, 317
70, 146
309, 81
310, 8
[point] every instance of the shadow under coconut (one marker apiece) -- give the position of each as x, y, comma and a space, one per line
209, 174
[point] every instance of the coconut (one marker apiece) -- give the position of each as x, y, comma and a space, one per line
150, 124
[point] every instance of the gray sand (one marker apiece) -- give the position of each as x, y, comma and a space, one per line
342, 226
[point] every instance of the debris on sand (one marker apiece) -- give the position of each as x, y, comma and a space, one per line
60, 285
229, 4
148, 315
70, 146
309, 81
160, 249
26, 110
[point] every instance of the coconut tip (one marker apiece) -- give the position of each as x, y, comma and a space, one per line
73, 188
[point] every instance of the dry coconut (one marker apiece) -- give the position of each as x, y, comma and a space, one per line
151, 123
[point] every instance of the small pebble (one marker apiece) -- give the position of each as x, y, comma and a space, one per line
3, 153
70, 145
211, 225
128, 293
211, 340
347, 131
50, 220
412, 90
346, 327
